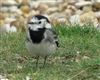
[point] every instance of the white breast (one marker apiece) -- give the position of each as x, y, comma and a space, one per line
42, 49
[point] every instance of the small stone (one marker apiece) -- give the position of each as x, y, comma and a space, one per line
85, 57
52, 10
96, 5
88, 18
5, 26
19, 67
19, 23
28, 78
99, 20
19, 12
8, 20
57, 15
34, 4
18, 1
33, 12
13, 8
79, 12
58, 18
62, 6
2, 22
25, 9
4, 9
73, 8
3, 77
2, 19
83, 3
61, 20
2, 2
10, 28
97, 14
25, 2
42, 8
75, 19
68, 12
87, 8
72, 1
51, 3
9, 2
25, 15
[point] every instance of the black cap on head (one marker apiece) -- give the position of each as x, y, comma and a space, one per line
41, 17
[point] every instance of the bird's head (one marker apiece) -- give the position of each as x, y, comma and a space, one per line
38, 22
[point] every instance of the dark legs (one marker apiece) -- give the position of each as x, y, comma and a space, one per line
45, 58
37, 61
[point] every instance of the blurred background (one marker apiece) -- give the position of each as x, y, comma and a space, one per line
14, 14
77, 58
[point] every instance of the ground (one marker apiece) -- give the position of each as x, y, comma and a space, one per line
77, 58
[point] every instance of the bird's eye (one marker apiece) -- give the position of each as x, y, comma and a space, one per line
39, 22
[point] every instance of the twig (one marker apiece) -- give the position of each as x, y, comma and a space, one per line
77, 74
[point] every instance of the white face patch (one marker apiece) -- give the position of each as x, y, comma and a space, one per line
34, 20
35, 24
34, 27
48, 25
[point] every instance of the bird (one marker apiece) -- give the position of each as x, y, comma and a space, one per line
41, 38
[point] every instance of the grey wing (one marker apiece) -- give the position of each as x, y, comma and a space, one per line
51, 36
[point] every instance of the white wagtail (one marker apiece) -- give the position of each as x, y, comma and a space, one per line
41, 38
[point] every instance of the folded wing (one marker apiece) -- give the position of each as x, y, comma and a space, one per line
51, 36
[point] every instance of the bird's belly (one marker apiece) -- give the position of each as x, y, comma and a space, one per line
42, 49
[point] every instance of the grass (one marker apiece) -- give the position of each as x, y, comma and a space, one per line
78, 57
